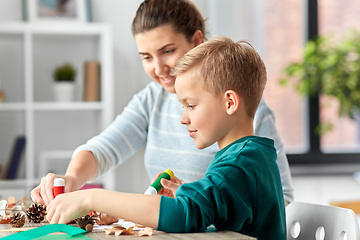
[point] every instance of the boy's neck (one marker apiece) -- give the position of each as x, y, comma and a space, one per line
238, 129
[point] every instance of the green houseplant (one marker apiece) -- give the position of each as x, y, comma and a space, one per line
65, 72
330, 67
64, 78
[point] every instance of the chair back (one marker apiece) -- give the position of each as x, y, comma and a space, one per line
307, 221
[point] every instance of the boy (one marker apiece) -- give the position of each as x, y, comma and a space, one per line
220, 84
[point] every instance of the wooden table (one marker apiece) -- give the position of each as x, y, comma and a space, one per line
157, 235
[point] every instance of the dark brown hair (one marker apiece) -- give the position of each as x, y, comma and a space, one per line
183, 16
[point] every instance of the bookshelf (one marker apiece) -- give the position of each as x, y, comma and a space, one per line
28, 54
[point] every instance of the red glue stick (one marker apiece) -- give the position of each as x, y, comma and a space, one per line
59, 186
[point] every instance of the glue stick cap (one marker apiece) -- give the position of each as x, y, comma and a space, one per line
59, 182
168, 171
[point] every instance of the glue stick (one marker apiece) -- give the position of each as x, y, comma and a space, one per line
156, 186
59, 186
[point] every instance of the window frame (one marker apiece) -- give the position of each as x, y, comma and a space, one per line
314, 156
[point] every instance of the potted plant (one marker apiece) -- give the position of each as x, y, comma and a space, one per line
64, 77
331, 68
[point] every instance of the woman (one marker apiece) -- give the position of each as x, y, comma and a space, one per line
164, 31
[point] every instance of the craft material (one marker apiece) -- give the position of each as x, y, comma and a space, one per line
59, 186
118, 230
86, 222
156, 186
72, 232
106, 219
15, 209
1, 96
5, 220
18, 220
3, 206
36, 213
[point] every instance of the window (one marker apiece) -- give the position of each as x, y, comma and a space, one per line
288, 25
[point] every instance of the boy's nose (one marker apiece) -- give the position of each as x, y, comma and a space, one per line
184, 120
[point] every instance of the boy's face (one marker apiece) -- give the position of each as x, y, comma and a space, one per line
204, 114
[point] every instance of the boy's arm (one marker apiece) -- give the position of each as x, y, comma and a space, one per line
138, 208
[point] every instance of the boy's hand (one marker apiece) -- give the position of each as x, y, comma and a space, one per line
68, 206
43, 193
169, 186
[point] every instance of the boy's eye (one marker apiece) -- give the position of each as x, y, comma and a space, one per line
191, 107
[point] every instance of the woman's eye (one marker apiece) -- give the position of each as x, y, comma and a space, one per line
191, 107
169, 51
146, 58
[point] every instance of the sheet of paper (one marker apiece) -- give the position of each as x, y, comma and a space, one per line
121, 222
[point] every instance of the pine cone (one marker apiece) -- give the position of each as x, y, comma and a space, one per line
18, 220
36, 213
82, 222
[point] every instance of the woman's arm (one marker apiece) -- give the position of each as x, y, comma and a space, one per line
119, 141
82, 167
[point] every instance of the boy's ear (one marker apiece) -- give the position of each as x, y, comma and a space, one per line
197, 38
233, 101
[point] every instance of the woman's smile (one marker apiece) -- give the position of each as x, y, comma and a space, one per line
167, 80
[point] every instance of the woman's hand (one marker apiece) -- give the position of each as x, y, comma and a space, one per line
169, 186
68, 206
43, 193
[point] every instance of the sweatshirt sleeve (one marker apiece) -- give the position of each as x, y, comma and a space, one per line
210, 200
125, 135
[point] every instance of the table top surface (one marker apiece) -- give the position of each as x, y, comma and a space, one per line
156, 234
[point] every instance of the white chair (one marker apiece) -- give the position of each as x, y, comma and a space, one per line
306, 221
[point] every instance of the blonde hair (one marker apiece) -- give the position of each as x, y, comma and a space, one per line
224, 65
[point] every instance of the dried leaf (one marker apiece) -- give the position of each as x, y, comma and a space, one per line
10, 205
11, 200
119, 232
109, 231
148, 231
139, 226
106, 219
118, 227
129, 231
5, 220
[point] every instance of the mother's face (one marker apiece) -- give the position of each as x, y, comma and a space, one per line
159, 49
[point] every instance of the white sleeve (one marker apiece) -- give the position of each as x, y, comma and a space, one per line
126, 135
264, 125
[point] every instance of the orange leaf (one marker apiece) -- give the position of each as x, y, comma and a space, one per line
106, 219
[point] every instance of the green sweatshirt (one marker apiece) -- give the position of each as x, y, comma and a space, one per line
241, 191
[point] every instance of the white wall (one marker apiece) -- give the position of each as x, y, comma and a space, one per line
235, 18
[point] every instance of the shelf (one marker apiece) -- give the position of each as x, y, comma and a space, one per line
34, 50
12, 106
54, 106
53, 29
16, 183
